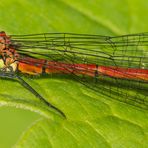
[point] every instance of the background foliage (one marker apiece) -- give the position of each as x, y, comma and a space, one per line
92, 120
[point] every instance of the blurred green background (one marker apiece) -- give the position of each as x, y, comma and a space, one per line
102, 17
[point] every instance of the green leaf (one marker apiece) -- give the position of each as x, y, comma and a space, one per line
93, 120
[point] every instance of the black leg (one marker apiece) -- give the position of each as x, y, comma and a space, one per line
27, 86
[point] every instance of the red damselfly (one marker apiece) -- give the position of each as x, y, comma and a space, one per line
116, 66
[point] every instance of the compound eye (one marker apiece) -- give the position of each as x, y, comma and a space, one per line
2, 34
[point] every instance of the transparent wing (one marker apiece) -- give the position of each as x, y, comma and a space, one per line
128, 51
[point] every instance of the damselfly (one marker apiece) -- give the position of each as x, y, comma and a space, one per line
114, 66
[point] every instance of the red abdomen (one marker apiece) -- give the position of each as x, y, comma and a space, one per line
38, 66
124, 73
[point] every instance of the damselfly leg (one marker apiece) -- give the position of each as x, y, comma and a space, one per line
14, 76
